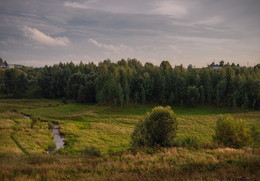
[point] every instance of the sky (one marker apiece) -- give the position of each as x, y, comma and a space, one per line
198, 32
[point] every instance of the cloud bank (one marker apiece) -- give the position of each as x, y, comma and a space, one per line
110, 47
44, 39
180, 31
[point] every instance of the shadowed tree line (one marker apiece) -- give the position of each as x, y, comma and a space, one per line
130, 81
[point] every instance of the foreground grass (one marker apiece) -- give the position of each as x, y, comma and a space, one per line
142, 164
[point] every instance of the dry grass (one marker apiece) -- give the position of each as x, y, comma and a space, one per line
145, 164
17, 136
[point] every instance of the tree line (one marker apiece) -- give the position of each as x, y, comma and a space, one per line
128, 81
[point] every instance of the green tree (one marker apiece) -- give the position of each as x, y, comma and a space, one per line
162, 97
193, 95
21, 85
142, 95
81, 96
2, 77
171, 99
217, 97
75, 82
221, 63
158, 128
15, 83
207, 84
202, 94
9, 81
220, 91
44, 81
136, 97
119, 95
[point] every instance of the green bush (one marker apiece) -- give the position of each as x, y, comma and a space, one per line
92, 151
51, 148
157, 129
232, 132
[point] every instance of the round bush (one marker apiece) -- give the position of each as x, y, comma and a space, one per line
157, 129
232, 132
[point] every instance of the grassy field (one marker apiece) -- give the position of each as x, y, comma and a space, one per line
24, 142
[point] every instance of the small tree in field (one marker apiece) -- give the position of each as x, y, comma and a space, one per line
231, 132
157, 129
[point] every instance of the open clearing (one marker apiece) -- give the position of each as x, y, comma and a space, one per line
24, 142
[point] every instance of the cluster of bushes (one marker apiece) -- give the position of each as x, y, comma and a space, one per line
159, 129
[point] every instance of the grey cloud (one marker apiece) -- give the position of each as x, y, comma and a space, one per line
110, 47
182, 31
42, 38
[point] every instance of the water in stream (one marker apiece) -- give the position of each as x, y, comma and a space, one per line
59, 141
26, 117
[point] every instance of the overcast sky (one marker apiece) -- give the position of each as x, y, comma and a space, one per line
40, 32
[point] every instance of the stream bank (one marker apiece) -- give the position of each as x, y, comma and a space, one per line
57, 138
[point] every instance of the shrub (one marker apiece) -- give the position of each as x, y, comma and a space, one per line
188, 142
51, 148
231, 132
92, 151
157, 129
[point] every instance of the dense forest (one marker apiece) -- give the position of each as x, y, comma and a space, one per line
128, 81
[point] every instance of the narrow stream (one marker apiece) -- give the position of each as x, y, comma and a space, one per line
59, 141
26, 117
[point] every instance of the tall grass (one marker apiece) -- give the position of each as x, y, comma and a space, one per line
142, 164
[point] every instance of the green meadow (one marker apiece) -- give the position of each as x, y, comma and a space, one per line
24, 143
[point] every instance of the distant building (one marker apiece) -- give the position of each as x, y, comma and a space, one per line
18, 66
10, 66
3, 64
216, 67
